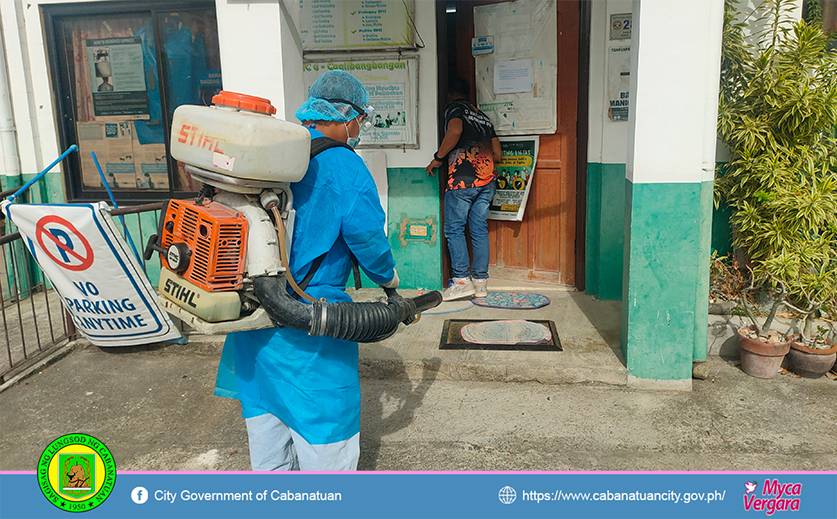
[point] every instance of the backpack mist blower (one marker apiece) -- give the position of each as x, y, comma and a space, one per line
224, 257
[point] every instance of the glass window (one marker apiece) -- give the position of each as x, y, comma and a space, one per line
193, 65
122, 75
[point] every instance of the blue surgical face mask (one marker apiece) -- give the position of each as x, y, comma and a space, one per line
352, 141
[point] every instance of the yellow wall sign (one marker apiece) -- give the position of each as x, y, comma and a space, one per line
355, 24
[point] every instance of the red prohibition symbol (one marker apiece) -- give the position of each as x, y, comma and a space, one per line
65, 248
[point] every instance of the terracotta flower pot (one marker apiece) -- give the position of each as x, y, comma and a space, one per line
811, 362
761, 359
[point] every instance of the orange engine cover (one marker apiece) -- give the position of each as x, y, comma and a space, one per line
217, 237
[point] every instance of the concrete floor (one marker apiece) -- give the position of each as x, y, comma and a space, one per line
430, 409
589, 332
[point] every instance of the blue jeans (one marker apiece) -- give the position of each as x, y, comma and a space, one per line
468, 205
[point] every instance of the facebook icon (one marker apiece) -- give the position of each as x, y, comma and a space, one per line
139, 495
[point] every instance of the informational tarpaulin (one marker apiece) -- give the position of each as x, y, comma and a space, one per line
100, 282
355, 24
117, 76
517, 83
393, 92
619, 82
376, 161
515, 174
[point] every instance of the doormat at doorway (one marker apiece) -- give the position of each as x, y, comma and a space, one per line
512, 300
452, 337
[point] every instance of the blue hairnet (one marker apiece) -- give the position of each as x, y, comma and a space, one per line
334, 84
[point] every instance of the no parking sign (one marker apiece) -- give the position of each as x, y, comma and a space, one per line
99, 280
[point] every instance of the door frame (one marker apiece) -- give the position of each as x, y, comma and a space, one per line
582, 129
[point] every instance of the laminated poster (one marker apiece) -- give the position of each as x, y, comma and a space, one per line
619, 82
117, 76
515, 174
393, 92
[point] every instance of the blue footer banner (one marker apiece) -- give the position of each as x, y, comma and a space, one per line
78, 483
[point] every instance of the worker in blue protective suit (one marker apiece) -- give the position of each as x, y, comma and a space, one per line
300, 394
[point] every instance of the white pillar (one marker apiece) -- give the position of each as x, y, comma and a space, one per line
675, 66
261, 51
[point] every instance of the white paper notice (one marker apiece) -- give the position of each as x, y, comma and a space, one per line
513, 76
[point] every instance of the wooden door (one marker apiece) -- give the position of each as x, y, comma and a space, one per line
542, 246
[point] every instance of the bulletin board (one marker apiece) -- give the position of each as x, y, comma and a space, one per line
516, 83
334, 25
392, 83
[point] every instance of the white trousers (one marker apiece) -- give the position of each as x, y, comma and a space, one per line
275, 446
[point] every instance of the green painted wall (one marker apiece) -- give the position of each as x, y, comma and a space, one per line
140, 227
412, 195
22, 270
413, 200
594, 223
659, 313
703, 253
605, 238
721, 228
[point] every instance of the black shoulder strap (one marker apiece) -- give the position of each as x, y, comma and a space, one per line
313, 270
320, 144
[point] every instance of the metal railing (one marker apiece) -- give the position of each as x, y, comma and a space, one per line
34, 319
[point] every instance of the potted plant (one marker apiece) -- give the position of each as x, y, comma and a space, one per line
777, 113
762, 348
813, 352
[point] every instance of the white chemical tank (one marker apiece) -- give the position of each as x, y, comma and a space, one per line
239, 137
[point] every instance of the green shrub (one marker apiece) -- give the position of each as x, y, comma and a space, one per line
777, 116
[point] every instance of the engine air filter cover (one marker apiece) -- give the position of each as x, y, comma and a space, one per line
216, 239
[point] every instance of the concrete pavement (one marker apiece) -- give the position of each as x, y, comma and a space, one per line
431, 409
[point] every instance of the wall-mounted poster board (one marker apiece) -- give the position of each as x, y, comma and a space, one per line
393, 91
517, 84
515, 174
329, 25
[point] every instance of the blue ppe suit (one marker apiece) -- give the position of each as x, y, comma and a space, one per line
312, 383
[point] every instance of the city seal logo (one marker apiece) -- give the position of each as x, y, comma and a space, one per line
76, 472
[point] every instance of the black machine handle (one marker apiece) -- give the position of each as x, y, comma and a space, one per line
151, 247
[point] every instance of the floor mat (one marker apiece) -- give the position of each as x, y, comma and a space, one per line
452, 338
513, 300
511, 331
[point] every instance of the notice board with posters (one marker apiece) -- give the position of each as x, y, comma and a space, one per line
329, 25
517, 83
392, 83
515, 174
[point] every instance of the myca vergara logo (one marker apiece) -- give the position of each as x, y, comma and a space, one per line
775, 497
76, 472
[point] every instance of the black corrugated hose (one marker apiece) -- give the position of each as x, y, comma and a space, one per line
358, 322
